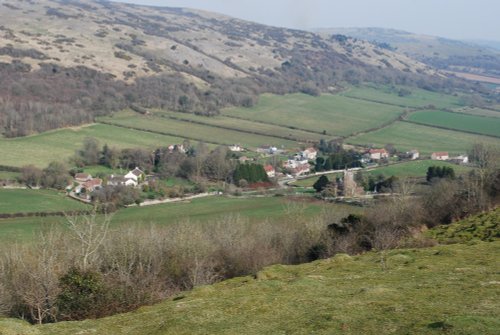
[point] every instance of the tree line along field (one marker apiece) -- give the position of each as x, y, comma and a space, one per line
469, 123
30, 201
334, 115
420, 292
201, 210
194, 131
61, 144
246, 126
417, 97
407, 136
413, 169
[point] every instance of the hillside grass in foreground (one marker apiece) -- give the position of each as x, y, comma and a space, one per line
483, 227
193, 131
29, 201
420, 292
469, 123
417, 98
407, 136
336, 115
59, 145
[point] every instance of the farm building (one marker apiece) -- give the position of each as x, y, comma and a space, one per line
82, 177
309, 154
440, 156
413, 154
235, 148
377, 154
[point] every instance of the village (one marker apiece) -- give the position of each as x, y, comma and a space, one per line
281, 167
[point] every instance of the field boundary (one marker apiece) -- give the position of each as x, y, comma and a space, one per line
280, 125
241, 130
40, 214
160, 133
447, 128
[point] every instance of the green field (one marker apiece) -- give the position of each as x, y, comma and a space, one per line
470, 123
407, 136
418, 97
420, 292
28, 201
61, 144
334, 114
195, 131
246, 126
256, 209
478, 111
7, 175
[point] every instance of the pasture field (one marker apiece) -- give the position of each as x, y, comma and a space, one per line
341, 295
469, 123
272, 209
194, 131
407, 136
28, 201
334, 114
59, 145
247, 126
7, 175
479, 111
417, 98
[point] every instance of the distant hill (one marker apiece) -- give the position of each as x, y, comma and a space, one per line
64, 62
442, 53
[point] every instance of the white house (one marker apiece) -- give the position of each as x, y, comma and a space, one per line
136, 174
413, 154
462, 159
235, 148
440, 156
309, 154
378, 154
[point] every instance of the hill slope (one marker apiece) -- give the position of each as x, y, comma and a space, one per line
64, 62
421, 292
438, 52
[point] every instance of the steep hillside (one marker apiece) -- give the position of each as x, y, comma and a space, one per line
420, 292
63, 62
438, 52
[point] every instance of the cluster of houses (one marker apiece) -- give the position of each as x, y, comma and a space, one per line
86, 184
444, 156
299, 163
379, 154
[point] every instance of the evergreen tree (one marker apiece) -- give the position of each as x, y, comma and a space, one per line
321, 183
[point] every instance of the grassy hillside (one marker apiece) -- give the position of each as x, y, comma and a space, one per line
420, 292
483, 227
470, 123
479, 111
230, 123
407, 136
333, 114
194, 131
417, 98
61, 144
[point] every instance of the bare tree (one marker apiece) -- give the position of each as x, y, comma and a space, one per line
89, 231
